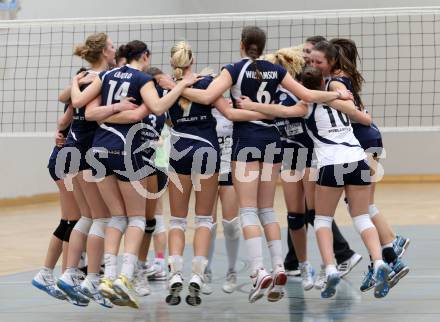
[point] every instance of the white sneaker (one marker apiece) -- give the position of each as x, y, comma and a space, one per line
206, 287
320, 281
45, 281
90, 289
195, 286
160, 272
261, 281
140, 282
150, 270
345, 267
276, 290
230, 284
307, 276
124, 288
175, 285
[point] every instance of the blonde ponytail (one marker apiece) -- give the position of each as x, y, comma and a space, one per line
181, 58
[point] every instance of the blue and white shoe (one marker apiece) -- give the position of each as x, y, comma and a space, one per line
400, 244
44, 281
381, 284
331, 282
90, 289
398, 271
70, 284
368, 281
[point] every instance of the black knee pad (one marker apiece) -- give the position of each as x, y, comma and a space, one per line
295, 221
69, 229
60, 231
150, 225
311, 216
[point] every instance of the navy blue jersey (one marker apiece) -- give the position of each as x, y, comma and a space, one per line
81, 131
117, 84
67, 129
196, 121
245, 82
362, 132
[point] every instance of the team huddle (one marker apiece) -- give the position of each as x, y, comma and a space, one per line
129, 133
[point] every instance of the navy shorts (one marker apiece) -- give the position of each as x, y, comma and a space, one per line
225, 179
189, 156
248, 150
369, 137
296, 157
53, 161
83, 149
114, 164
340, 175
162, 178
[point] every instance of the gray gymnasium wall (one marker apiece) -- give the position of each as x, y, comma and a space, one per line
23, 160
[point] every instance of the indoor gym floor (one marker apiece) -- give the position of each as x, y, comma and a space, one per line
413, 210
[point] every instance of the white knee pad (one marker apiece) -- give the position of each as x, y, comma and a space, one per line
118, 222
98, 227
323, 222
160, 225
178, 223
249, 217
362, 222
137, 221
231, 229
83, 225
204, 221
373, 210
267, 216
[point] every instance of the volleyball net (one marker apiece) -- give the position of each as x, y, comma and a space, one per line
399, 49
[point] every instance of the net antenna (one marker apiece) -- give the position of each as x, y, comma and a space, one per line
399, 49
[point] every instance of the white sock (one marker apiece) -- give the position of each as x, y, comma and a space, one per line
111, 266
303, 264
128, 264
255, 253
377, 263
387, 245
93, 277
276, 253
231, 245
211, 246
330, 269
47, 270
176, 263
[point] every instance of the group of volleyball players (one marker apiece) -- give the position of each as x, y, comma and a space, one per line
296, 113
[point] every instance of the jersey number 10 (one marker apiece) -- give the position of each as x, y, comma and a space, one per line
344, 118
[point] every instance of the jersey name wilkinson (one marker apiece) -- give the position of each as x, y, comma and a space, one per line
266, 75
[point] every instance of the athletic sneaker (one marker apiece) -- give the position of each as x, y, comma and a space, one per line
230, 284
398, 270
195, 288
400, 244
124, 289
329, 289
175, 285
91, 290
106, 290
293, 272
368, 281
307, 276
261, 280
160, 272
279, 280
45, 281
70, 284
345, 267
140, 281
207, 287
150, 269
381, 285
320, 281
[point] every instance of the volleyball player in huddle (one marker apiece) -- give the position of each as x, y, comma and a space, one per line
229, 206
118, 165
343, 74
99, 52
259, 80
70, 213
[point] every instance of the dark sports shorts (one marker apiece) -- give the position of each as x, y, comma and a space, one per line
162, 178
248, 150
189, 156
53, 161
225, 179
340, 175
296, 157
